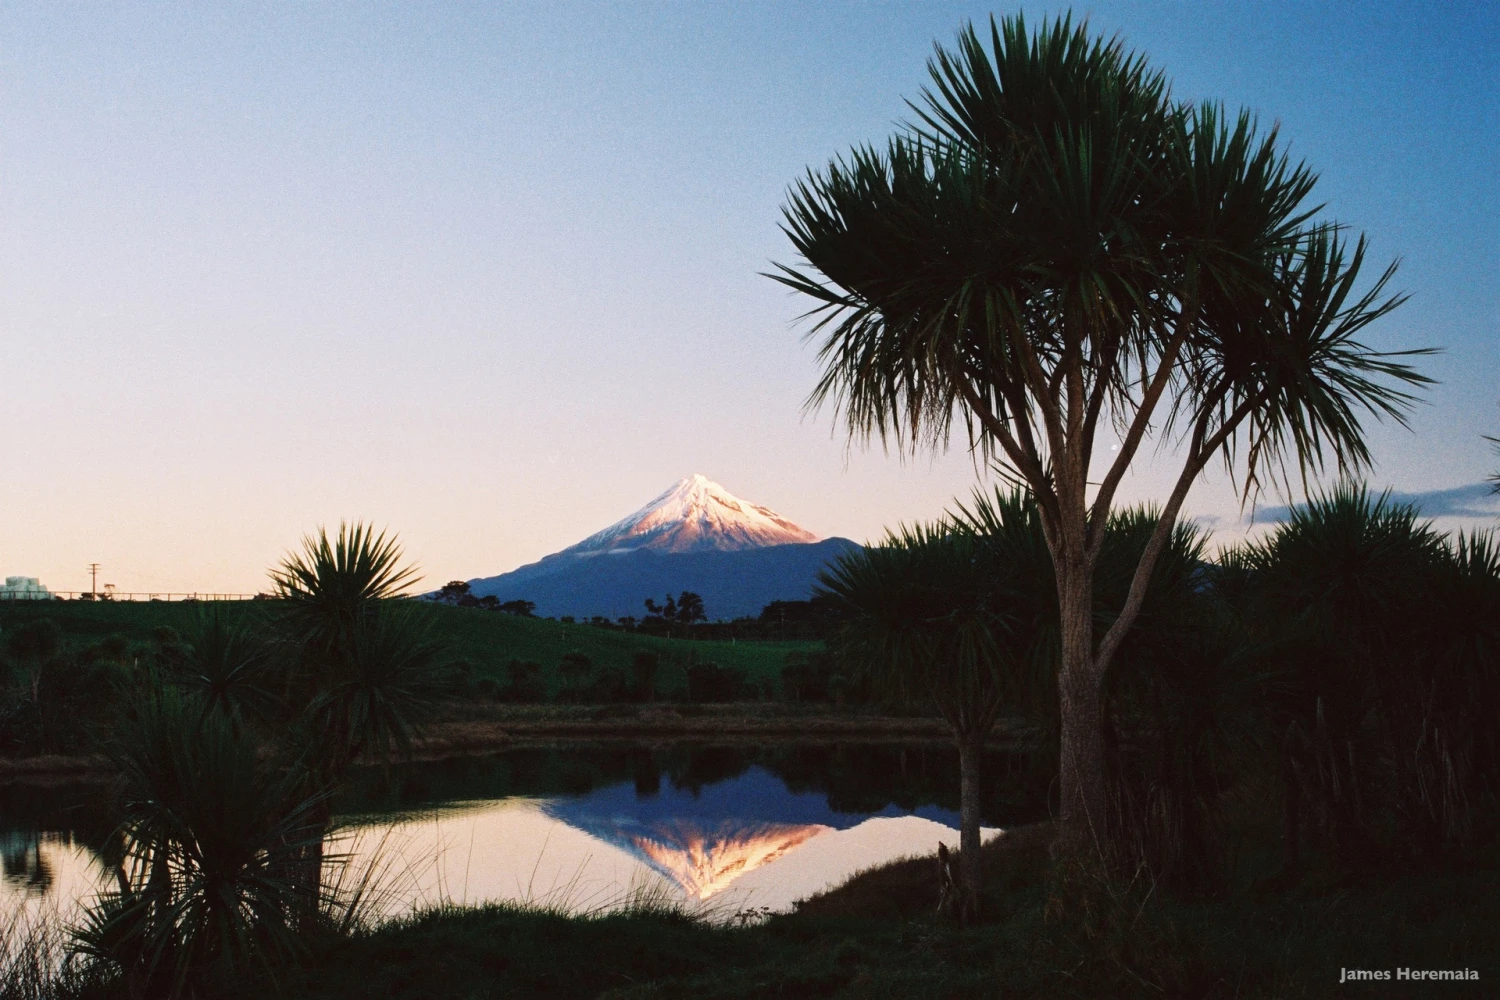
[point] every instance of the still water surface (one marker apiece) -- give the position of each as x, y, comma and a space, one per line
722, 830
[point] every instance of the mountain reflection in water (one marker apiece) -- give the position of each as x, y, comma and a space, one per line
574, 831
704, 862
521, 851
703, 839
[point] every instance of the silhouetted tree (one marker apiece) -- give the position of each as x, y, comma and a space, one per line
452, 592
663, 612
688, 608
1059, 249
924, 619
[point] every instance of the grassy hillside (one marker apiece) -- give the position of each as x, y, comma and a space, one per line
487, 640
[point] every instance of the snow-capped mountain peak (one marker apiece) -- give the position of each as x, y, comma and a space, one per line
695, 515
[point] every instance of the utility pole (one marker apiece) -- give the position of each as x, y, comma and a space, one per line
94, 580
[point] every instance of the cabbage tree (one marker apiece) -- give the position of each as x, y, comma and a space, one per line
1062, 263
921, 619
959, 615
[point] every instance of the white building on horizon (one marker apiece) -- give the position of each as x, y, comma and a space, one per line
23, 588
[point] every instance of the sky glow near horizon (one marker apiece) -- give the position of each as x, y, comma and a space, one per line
490, 275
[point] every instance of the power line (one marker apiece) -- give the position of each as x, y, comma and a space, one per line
94, 579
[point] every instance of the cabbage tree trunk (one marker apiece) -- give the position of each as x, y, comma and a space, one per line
970, 755
1082, 787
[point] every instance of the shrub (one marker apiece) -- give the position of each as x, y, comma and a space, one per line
805, 676
644, 666
114, 647
1384, 634
524, 682
711, 682
35, 640
575, 669
612, 685
208, 882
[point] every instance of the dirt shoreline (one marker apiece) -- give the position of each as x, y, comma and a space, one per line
481, 732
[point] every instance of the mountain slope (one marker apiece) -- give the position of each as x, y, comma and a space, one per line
696, 536
732, 584
695, 515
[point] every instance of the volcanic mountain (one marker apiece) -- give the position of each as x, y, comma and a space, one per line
738, 556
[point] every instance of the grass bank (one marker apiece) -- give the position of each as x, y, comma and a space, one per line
467, 729
476, 728
877, 936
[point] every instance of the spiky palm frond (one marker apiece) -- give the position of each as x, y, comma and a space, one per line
1291, 362
1348, 556
1017, 220
227, 667
332, 583
1052, 208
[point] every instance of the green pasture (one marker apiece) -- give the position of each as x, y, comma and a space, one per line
486, 640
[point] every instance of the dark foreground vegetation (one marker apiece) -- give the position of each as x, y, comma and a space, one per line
877, 936
1260, 936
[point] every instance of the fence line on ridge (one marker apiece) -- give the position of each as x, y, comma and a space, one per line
106, 596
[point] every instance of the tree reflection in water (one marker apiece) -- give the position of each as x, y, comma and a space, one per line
22, 863
864, 778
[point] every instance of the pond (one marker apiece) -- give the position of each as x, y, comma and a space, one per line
720, 830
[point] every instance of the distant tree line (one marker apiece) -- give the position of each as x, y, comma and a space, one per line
682, 617
805, 677
459, 594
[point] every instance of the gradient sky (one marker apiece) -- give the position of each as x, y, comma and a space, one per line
488, 274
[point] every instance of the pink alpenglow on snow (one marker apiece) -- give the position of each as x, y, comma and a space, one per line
695, 515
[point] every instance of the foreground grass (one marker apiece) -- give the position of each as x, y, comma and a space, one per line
486, 640
877, 937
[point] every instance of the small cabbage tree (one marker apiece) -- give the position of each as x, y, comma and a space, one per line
335, 583
922, 622
206, 881
361, 668
360, 663
960, 615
